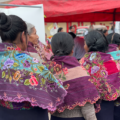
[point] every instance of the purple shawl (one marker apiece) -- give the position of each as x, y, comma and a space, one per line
23, 78
75, 81
112, 47
104, 74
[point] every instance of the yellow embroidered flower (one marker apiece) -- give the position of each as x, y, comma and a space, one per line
10, 79
6, 76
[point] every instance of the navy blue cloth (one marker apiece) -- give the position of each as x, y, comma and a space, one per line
33, 114
58, 118
117, 113
107, 111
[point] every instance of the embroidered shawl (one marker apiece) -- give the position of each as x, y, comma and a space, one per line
104, 73
112, 47
23, 78
75, 80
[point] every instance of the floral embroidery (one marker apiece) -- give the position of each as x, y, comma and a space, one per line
26, 64
99, 75
35, 60
20, 56
33, 81
93, 55
104, 73
94, 69
8, 63
17, 76
57, 69
65, 70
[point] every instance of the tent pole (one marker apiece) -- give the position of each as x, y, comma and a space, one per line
114, 20
20, 5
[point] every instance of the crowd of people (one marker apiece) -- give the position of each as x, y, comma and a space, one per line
72, 78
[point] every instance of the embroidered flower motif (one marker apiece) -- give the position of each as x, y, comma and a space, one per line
87, 66
58, 99
17, 76
33, 81
112, 58
118, 54
65, 70
18, 49
57, 69
114, 96
31, 73
104, 73
8, 63
92, 56
35, 69
51, 85
26, 64
94, 69
107, 97
35, 60
10, 48
50, 104
82, 61
20, 56
118, 66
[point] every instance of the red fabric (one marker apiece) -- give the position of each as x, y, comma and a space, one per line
76, 10
111, 64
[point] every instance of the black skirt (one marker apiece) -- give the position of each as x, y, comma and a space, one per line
35, 113
58, 118
107, 111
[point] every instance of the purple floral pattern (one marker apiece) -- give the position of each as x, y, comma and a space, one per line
94, 69
8, 63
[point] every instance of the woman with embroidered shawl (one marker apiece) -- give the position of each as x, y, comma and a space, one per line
104, 72
35, 47
81, 93
27, 88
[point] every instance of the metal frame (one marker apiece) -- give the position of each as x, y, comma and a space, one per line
20, 5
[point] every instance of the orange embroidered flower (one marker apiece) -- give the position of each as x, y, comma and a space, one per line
17, 75
57, 69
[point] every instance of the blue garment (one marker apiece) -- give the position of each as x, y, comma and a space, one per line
78, 48
107, 111
34, 114
58, 118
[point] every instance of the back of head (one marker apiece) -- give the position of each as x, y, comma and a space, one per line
29, 27
10, 26
96, 41
114, 38
62, 44
72, 34
70, 27
60, 29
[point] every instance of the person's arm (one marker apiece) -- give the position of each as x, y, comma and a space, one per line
88, 112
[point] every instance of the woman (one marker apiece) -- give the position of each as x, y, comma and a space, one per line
60, 29
114, 41
100, 66
27, 88
81, 94
35, 47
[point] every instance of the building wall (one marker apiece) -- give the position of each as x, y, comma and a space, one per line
52, 27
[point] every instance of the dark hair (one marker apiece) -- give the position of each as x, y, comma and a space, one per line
59, 29
114, 38
96, 41
72, 34
10, 26
71, 27
62, 44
